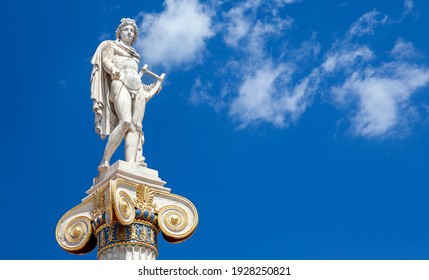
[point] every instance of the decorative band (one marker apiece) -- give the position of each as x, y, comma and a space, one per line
141, 215
137, 233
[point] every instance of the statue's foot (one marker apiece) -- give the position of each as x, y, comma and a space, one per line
140, 160
103, 166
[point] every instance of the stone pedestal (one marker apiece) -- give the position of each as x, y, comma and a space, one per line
123, 212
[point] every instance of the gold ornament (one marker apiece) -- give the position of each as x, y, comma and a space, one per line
144, 200
124, 208
98, 203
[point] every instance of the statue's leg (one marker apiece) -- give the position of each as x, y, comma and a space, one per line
139, 105
131, 144
140, 158
122, 103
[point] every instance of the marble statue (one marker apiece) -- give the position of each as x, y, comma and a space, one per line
128, 204
119, 96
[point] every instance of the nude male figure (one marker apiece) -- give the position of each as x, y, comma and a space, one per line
117, 92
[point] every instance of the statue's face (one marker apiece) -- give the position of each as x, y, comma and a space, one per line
127, 34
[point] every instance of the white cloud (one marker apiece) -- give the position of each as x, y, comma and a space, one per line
308, 50
199, 92
255, 94
262, 32
404, 50
408, 6
379, 96
344, 57
287, 1
281, 3
237, 23
366, 24
243, 30
264, 86
256, 97
383, 97
295, 104
268, 96
177, 36
200, 95
104, 36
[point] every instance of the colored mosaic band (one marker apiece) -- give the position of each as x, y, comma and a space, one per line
139, 233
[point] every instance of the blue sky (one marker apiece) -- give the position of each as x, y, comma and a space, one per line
299, 129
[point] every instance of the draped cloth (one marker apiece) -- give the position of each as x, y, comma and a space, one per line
105, 117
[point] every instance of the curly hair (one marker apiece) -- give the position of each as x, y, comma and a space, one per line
125, 22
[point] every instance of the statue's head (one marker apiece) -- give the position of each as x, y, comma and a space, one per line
127, 23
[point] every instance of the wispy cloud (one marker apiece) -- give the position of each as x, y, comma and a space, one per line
237, 23
266, 85
244, 30
379, 96
287, 1
344, 57
177, 36
62, 83
262, 92
408, 7
104, 36
256, 100
405, 50
200, 94
111, 8
376, 94
382, 97
366, 24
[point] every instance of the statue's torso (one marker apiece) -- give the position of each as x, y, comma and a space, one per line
128, 66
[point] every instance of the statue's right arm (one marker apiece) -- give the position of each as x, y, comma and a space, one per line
106, 57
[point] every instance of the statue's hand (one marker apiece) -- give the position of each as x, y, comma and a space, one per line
116, 74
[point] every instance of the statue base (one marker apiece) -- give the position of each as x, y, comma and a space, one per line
123, 212
131, 172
